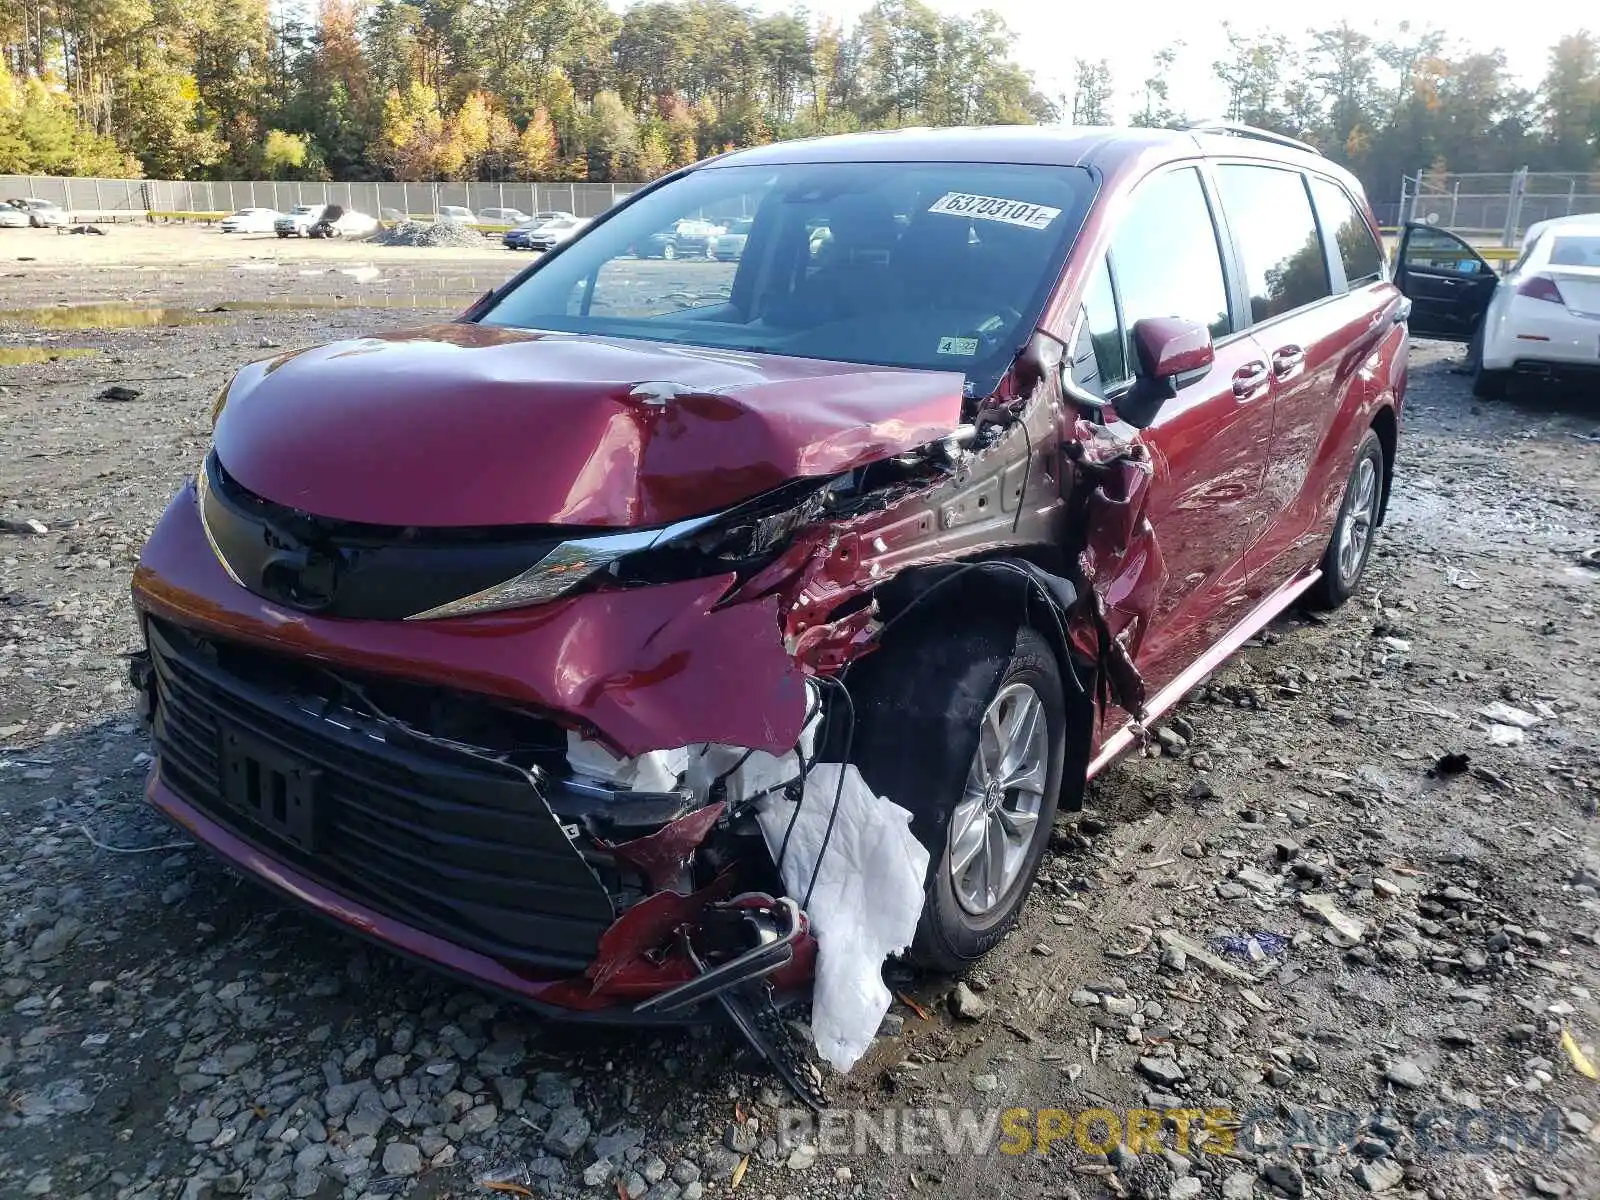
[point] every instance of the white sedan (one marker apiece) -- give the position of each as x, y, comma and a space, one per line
250, 220
1540, 321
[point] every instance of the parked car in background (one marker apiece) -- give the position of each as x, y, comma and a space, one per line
251, 220
297, 222
392, 214
13, 217
337, 221
456, 214
554, 233
730, 245
663, 243
696, 238
983, 495
1537, 324
519, 237
41, 213
501, 216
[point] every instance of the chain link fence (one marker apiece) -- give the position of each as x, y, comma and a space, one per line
1497, 207
107, 198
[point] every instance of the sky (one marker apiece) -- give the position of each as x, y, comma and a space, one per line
1052, 33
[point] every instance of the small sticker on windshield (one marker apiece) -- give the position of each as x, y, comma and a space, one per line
995, 208
966, 347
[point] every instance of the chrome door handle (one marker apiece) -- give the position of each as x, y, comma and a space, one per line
1248, 378
1286, 358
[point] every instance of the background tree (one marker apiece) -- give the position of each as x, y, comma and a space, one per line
1091, 95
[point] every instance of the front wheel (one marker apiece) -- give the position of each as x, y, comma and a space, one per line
1351, 544
969, 734
669, 251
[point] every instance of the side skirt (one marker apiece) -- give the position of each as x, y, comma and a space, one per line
1120, 742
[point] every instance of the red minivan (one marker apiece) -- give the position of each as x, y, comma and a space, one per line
989, 446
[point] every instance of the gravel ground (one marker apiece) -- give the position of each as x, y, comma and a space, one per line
1289, 909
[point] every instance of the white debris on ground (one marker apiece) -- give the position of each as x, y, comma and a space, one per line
864, 906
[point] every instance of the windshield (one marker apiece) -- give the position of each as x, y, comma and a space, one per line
941, 266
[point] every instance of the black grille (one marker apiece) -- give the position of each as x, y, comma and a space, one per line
453, 845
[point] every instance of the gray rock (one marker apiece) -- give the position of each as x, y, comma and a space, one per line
203, 1130
1406, 1074
481, 1118
967, 1004
653, 1168
1381, 1175
1174, 960
368, 1117
390, 1066
803, 1157
552, 1090
665, 1190
1238, 1186
306, 1184
1162, 1071
1284, 1176
1186, 1188
616, 1143
718, 1164
511, 1090
633, 1186
1400, 950
741, 1137
599, 1172
401, 1158
685, 1171
568, 1131
985, 1082
341, 1098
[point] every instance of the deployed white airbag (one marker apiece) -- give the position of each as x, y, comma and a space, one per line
866, 903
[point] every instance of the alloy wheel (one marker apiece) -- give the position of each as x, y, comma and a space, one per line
1355, 530
993, 825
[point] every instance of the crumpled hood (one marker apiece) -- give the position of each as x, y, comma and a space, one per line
465, 424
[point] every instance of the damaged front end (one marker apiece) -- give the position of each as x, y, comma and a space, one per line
609, 771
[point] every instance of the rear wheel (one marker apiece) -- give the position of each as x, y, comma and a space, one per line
1489, 385
1346, 557
968, 733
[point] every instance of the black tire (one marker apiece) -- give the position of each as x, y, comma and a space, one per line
1338, 583
1489, 385
919, 703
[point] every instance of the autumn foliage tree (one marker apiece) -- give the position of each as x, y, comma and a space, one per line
566, 89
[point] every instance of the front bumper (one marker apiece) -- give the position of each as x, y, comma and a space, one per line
513, 876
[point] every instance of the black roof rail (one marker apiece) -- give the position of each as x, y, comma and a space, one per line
1239, 129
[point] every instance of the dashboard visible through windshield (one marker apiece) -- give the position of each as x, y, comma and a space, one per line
941, 266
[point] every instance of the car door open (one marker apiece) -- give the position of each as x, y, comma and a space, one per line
1448, 282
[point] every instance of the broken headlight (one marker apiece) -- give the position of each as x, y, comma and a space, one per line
738, 539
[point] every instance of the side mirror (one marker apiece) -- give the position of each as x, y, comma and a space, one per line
1172, 353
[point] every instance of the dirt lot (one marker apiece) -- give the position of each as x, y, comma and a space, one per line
167, 1030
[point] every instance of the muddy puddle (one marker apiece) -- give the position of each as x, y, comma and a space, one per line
102, 316
23, 356
149, 316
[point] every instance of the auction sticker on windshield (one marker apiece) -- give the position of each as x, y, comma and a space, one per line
995, 208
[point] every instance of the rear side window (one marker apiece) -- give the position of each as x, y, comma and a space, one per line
1269, 213
1166, 259
1358, 249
